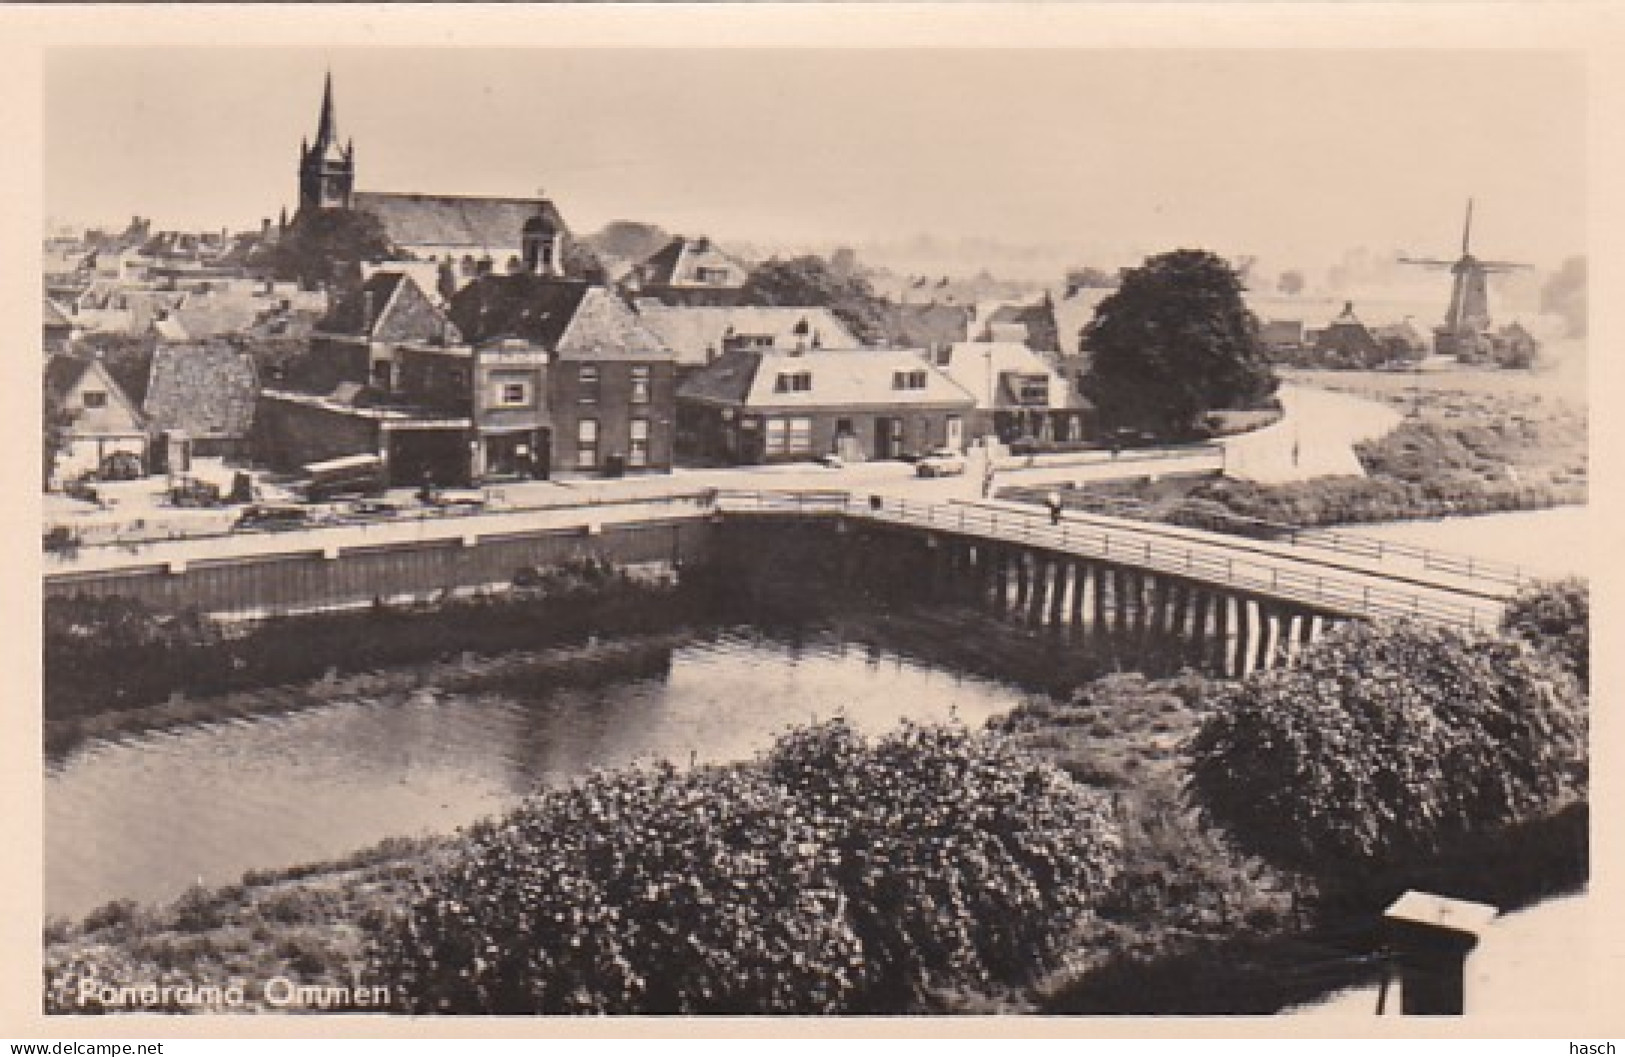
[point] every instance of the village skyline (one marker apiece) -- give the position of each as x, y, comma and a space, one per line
1028, 159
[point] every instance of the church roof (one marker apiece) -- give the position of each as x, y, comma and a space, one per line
482, 225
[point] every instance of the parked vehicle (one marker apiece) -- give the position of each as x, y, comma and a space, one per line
192, 492
121, 466
943, 462
350, 475
272, 518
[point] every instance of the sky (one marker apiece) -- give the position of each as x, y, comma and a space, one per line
1295, 156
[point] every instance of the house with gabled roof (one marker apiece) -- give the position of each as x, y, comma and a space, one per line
1020, 394
690, 271
358, 339
698, 334
103, 419
204, 392
757, 405
611, 387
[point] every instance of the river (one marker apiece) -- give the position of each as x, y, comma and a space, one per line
145, 815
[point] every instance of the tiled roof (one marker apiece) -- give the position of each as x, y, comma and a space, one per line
207, 389
575, 319
839, 379
480, 224
390, 306
926, 326
696, 334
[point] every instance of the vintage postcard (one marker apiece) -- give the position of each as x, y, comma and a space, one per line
1038, 519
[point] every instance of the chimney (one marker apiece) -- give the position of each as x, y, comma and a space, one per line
265, 226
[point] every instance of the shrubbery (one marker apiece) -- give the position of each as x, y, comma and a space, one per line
1387, 744
834, 875
1556, 617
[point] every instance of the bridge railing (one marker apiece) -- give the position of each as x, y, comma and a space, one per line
1349, 543
1329, 591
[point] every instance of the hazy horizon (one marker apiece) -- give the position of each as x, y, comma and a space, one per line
1296, 157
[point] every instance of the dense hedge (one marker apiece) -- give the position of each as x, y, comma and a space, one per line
1387, 744
834, 875
1556, 616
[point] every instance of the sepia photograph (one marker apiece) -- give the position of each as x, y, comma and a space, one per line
811, 530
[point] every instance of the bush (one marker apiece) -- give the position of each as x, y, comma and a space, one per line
1556, 616
833, 876
1388, 744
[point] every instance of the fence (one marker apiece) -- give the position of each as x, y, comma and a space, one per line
1364, 596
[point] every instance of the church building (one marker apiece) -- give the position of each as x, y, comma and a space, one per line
452, 239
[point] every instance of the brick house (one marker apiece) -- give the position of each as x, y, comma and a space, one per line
763, 406
611, 383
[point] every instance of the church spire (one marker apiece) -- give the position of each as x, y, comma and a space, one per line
326, 166
327, 126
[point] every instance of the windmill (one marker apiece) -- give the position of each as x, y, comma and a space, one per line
1467, 321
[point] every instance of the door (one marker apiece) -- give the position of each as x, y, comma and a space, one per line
888, 437
956, 433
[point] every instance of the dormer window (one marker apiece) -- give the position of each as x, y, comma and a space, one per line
908, 380
793, 382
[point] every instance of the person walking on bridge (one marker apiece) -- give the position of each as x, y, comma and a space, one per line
1053, 501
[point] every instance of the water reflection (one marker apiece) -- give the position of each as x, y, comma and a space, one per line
144, 816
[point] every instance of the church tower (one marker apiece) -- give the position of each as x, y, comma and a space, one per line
326, 169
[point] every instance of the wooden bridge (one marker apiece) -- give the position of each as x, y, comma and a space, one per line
1257, 602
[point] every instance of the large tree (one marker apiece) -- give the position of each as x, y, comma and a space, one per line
326, 247
1174, 342
811, 281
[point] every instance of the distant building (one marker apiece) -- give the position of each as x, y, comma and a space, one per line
104, 419
697, 335
689, 271
1347, 342
926, 326
1283, 338
1034, 325
56, 329
761, 406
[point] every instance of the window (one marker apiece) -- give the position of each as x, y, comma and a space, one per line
587, 444
640, 385
800, 441
94, 398
711, 275
638, 453
514, 394
777, 430
793, 382
1033, 389
587, 381
908, 380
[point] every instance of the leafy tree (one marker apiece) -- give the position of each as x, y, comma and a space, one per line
628, 240
1174, 342
56, 421
811, 281
1386, 744
326, 247
1556, 616
833, 876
